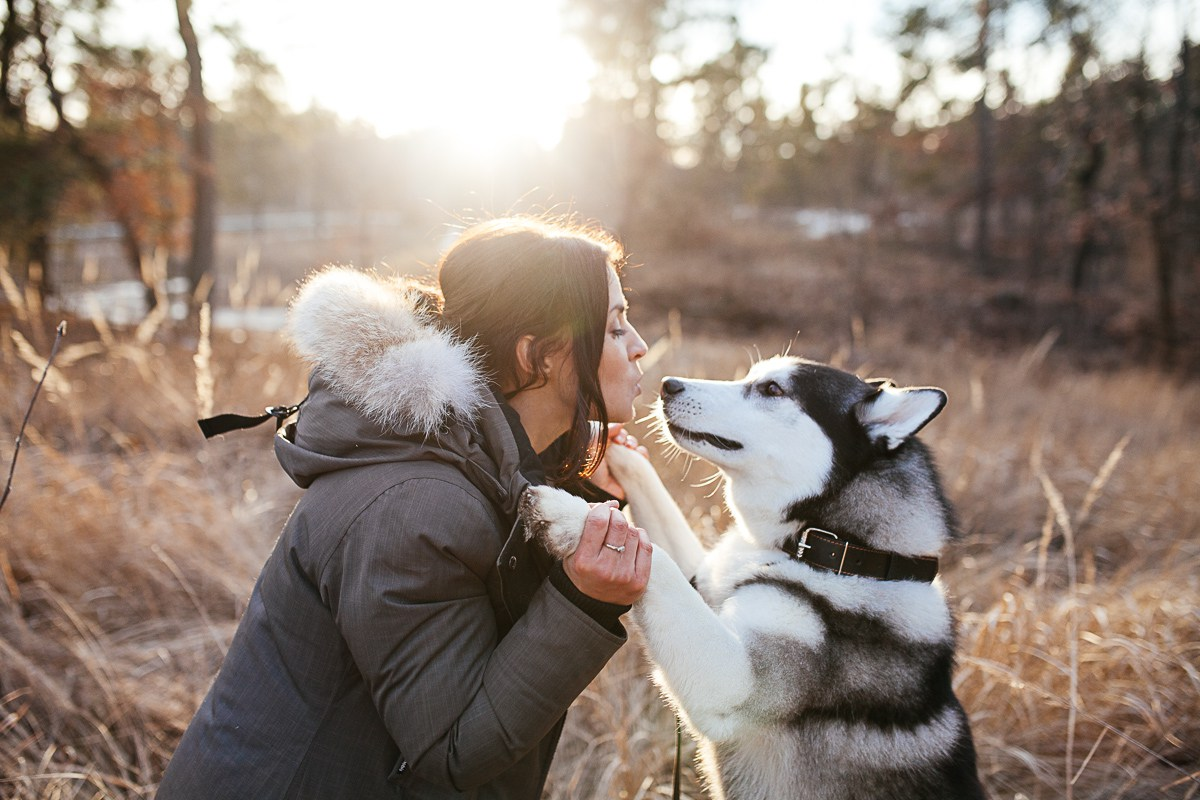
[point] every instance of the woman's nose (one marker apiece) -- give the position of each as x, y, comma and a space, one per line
639, 347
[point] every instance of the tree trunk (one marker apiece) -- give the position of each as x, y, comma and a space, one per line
1166, 225
10, 38
985, 167
1086, 180
204, 191
1039, 209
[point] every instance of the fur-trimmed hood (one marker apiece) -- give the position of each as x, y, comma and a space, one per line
377, 349
390, 385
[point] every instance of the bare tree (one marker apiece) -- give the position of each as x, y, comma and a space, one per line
42, 161
1166, 200
985, 126
204, 188
969, 32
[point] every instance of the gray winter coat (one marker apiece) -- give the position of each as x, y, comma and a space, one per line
401, 640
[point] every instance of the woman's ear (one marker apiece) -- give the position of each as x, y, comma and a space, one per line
539, 360
525, 356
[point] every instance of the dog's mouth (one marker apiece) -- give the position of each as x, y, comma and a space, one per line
719, 442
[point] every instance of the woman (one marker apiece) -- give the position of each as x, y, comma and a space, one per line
403, 639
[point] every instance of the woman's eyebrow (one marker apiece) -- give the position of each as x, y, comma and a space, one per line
622, 307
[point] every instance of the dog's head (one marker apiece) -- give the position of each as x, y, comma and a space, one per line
793, 428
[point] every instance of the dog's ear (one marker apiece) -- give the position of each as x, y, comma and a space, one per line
890, 415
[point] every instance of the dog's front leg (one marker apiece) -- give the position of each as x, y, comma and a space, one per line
654, 509
703, 666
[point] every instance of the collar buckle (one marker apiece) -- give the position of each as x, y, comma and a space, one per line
802, 544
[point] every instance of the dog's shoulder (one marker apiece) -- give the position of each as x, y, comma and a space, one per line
752, 589
735, 559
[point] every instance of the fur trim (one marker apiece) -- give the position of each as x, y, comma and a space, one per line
381, 354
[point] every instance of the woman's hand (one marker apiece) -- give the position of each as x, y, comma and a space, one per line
612, 562
603, 477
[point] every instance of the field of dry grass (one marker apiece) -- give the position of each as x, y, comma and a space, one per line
129, 546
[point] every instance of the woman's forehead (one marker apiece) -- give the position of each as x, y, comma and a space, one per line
616, 294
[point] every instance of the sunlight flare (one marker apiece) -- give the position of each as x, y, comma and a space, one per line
486, 74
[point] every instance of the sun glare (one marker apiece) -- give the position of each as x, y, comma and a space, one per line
484, 73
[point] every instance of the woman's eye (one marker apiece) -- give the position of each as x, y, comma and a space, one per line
618, 332
772, 389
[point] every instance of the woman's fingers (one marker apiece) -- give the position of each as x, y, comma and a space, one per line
595, 528
644, 557
621, 536
619, 436
612, 562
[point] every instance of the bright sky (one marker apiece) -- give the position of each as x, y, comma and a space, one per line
490, 70
498, 68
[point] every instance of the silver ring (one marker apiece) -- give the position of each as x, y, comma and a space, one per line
620, 549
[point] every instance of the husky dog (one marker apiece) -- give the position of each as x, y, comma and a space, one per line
810, 651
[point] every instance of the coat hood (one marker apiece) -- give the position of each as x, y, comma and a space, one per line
389, 384
381, 352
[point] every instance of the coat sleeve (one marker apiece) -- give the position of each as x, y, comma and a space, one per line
408, 592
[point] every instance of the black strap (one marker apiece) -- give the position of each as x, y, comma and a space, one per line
827, 550
678, 757
224, 423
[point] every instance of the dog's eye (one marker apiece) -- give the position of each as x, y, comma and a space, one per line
772, 389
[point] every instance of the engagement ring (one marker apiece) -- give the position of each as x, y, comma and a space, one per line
620, 549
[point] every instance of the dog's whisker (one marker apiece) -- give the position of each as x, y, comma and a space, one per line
688, 467
715, 480
717, 485
650, 417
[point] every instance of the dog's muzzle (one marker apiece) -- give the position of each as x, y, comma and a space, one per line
672, 388
719, 442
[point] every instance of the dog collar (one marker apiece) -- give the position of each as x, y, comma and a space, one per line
826, 550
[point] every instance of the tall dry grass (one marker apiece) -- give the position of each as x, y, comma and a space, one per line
132, 545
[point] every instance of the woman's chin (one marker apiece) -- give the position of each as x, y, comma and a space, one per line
621, 415
625, 411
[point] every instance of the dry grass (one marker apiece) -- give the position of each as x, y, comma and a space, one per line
132, 547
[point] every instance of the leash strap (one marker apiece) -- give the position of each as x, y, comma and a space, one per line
678, 757
224, 423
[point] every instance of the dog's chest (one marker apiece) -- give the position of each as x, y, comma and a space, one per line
734, 561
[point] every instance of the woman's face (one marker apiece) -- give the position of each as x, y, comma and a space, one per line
620, 373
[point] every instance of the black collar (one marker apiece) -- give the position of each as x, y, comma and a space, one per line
826, 550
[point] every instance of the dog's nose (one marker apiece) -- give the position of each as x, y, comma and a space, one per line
672, 386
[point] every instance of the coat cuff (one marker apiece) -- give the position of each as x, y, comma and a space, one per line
607, 614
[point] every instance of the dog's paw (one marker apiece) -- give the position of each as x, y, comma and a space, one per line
554, 517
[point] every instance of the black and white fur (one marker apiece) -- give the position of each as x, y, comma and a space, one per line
798, 682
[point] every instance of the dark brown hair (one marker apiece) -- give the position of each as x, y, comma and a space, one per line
516, 276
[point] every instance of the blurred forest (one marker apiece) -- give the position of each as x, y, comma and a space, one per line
1075, 212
